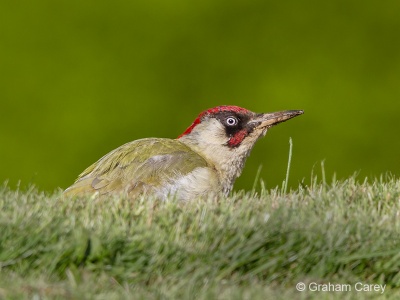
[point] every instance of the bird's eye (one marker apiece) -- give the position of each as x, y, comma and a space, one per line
231, 121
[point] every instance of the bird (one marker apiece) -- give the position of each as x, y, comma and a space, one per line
204, 161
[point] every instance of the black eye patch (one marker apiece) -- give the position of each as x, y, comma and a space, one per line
232, 122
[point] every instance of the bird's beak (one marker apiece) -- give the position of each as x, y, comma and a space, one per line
270, 119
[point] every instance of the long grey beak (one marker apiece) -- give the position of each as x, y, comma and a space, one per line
270, 119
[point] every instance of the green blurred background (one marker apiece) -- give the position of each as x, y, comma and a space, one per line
80, 78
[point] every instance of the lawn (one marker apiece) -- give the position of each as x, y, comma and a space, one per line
342, 237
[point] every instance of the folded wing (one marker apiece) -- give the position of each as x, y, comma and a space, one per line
141, 166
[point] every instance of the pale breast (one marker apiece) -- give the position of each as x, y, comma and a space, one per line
199, 183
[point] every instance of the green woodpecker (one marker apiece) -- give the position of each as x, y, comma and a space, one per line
204, 160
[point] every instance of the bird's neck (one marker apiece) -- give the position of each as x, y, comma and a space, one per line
228, 162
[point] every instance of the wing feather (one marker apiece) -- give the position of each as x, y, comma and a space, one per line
138, 167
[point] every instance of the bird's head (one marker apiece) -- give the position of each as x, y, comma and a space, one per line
232, 126
225, 135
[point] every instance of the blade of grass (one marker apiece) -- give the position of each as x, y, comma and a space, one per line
285, 183
253, 189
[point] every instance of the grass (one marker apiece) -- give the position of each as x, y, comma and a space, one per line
246, 246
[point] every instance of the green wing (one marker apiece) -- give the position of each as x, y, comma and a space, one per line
137, 167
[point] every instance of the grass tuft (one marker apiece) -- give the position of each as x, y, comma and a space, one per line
247, 246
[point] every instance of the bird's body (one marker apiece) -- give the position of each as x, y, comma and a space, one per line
205, 160
153, 166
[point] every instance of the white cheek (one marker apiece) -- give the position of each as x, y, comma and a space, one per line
211, 132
